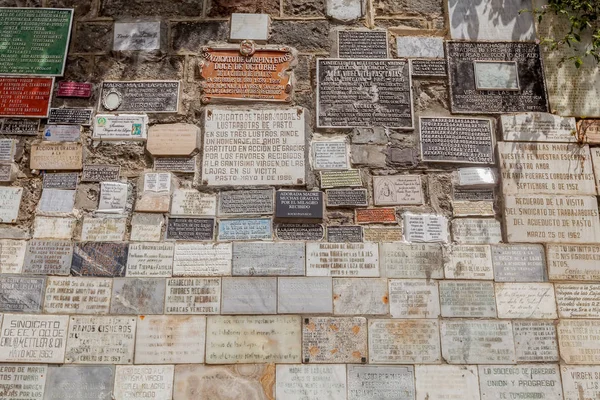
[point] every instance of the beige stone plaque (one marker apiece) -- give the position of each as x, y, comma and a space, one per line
334, 339
172, 139
410, 341
571, 262
578, 300
447, 382
397, 189
193, 296
537, 127
342, 259
525, 381
469, 262
414, 298
192, 202
367, 296
467, 299
53, 228
473, 208
12, 255
56, 156
77, 295
103, 229
146, 227
10, 201
580, 382
376, 234
401, 260
477, 342
144, 382
526, 301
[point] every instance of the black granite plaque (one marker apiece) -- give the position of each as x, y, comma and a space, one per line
61, 180
517, 88
355, 93
99, 259
19, 126
362, 44
190, 228
140, 96
300, 232
431, 67
459, 140
474, 195
21, 293
347, 198
241, 202
71, 116
100, 173
345, 234
297, 204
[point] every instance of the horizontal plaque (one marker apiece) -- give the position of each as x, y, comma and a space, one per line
138, 296
477, 342
535, 341
310, 295
541, 381
299, 232
56, 202
19, 126
342, 259
60, 180
77, 295
397, 190
476, 177
120, 127
420, 46
99, 259
147, 227
190, 228
25, 97
404, 341
80, 381
245, 229
172, 139
402, 260
460, 194
144, 381
330, 155
103, 229
345, 234
250, 202
346, 198
476, 231
21, 293
425, 228
246, 26
74, 89
526, 301
466, 261
249, 295
577, 300
334, 339
268, 259
571, 262
193, 296
297, 382
150, 259
23, 382
376, 215
449, 381
185, 165
473, 209
362, 43
428, 68
577, 340
48, 257
348, 178
295, 204
192, 202
71, 116
139, 35
379, 234
467, 299
202, 259
538, 127
519, 263
53, 228
140, 96
580, 381
414, 298
56, 156
367, 296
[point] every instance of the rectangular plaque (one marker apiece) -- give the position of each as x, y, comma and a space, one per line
245, 229
397, 190
150, 259
103, 229
380, 382
254, 147
295, 204
343, 87
172, 139
264, 75
48, 257
139, 96
248, 202
526, 301
25, 97
7, 150
310, 295
190, 228
61, 180
61, 133
345, 234
420, 46
268, 259
476, 177
144, 381
535, 341
538, 127
56, 202
342, 259
301, 232
467, 299
459, 194
77, 295
21, 294
298, 382
519, 263
346, 198
477, 342
53, 228
10, 202
246, 26
334, 339
71, 116
19, 126
476, 231
74, 89
185, 165
56, 156
12, 256
580, 381
571, 262
427, 68
146, 227
138, 296
193, 296
120, 127
330, 155
333, 179
7, 172
202, 259
451, 382
362, 44
467, 97
99, 259
81, 382
360, 296
379, 234
249, 295
533, 381
425, 228
578, 300
136, 36
410, 341
577, 340
193, 202
23, 382
414, 298
473, 208
100, 173
469, 262
375, 215
402, 260
460, 140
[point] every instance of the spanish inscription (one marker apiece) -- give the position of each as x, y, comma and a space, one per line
362, 44
140, 96
342, 259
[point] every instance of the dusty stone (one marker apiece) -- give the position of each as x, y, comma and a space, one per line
469, 262
477, 342
223, 8
305, 36
77, 295
535, 341
93, 37
249, 296
380, 382
368, 155
467, 299
526, 300
334, 339
191, 36
144, 381
401, 260
12, 255
295, 382
302, 8
21, 294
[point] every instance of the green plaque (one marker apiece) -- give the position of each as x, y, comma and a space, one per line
34, 41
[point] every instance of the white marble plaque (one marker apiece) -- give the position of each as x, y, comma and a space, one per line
245, 229
202, 259
496, 75
469, 262
526, 301
571, 262
535, 341
249, 296
120, 127
425, 228
192, 202
10, 200
150, 260
53, 228
414, 298
113, 197
578, 300
334, 339
77, 295
420, 47
525, 381
268, 258
330, 155
367, 296
409, 341
303, 382
476, 177
299, 295
467, 299
144, 36
401, 260
22, 382
146, 227
342, 259
56, 202
369, 382
477, 342
103, 229
538, 127
193, 296
12, 255
476, 231
447, 382
580, 382
397, 189
144, 382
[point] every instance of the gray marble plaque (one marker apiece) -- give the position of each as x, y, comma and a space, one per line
334, 339
310, 295
80, 383
21, 293
408, 341
368, 296
529, 381
574, 262
193, 296
401, 260
146, 227
299, 382
345, 234
138, 296
144, 382
477, 342
535, 341
249, 296
77, 295
48, 257
414, 298
467, 299
103, 229
22, 382
519, 263
369, 382
249, 202
447, 382
268, 258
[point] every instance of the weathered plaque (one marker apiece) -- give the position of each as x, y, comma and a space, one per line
302, 295
299, 232
425, 228
459, 194
348, 178
39, 40
60, 180
379, 234
138, 296
150, 260
456, 140
420, 46
344, 93
10, 201
527, 94
139, 96
19, 126
330, 155
186, 165
77, 295
473, 208
100, 173
56, 156
99, 259
580, 382
190, 228
144, 381
25, 97
535, 341
33, 338
529, 381
254, 147
427, 68
451, 382
265, 74
519, 263
193, 296
570, 262
298, 205
120, 127
538, 127
297, 382
360, 296
146, 227
53, 228
414, 298
334, 339
245, 26
469, 262
526, 300
21, 293
7, 150
476, 177
138, 36
245, 229
551, 219
172, 139
467, 299
346, 198
362, 44
100, 340
22, 382
380, 382
476, 231
56, 202
170, 339
578, 300
477, 342
246, 202
80, 382
345, 234
74, 89
202, 259
397, 189
401, 260
268, 259
113, 197
342, 259
12, 255
380, 215
253, 339
103, 229
61, 133
410, 341
8, 172
249, 296
71, 116
48, 257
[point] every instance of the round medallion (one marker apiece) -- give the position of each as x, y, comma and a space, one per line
112, 100
247, 48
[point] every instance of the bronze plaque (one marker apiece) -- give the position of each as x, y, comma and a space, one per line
263, 75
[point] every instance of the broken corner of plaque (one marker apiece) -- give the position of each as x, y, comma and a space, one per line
247, 72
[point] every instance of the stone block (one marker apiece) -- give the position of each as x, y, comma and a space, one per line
249, 296
409, 341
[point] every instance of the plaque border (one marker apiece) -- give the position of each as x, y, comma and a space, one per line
377, 222
98, 165
341, 186
387, 41
361, 229
52, 78
103, 110
219, 202
513, 62
89, 123
379, 177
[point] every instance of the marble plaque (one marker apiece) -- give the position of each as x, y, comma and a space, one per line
193, 296
120, 127
299, 232
61, 180
170, 339
144, 382
369, 382
150, 260
56, 156
578, 300
346, 198
537, 127
146, 227
425, 228
298, 382
401, 260
12, 256
249, 27
202, 259
530, 381
379, 234
572, 262
21, 294
360, 296
253, 339
345, 234
113, 197
22, 382
347, 178
342, 259
420, 47
245, 229
80, 382
61, 133
397, 189
268, 259
476, 231
192, 202
375, 215
71, 116
467, 299
53, 228
103, 229
100, 173
10, 201
409, 341
281, 138
580, 382
330, 155
132, 36
535, 341
519, 263
429, 68
334, 339
48, 257
138, 296
362, 44
447, 382
469, 262
249, 295
477, 342
139, 97
414, 298
476, 177
293, 205
190, 228
526, 301
77, 295
56, 202
249, 202
99, 259
33, 338
172, 139
311, 295
496, 75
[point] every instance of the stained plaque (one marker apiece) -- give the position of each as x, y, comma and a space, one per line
202, 259
409, 341
71, 116
268, 259
74, 89
420, 46
10, 201
535, 341
362, 44
193, 296
342, 259
139, 36
77, 295
99, 259
139, 96
7, 172
137, 296
414, 298
190, 228
80, 382
580, 381
346, 198
56, 156
100, 173
248, 202
120, 127
12, 255
519, 263
473, 208
347, 178
477, 342
382, 215
379, 234
538, 127
48, 257
291, 205
469, 262
476, 230
21, 294
360, 296
402, 260
298, 382
345, 234
146, 227
397, 189
172, 139
25, 97
467, 299
334, 339
304, 295
370, 382
150, 260
103, 229
53, 228
299, 232
22, 382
